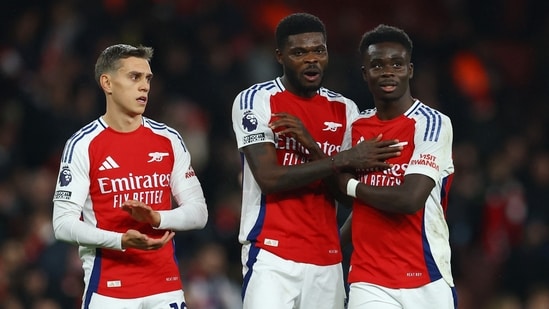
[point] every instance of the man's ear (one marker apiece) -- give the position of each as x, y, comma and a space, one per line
105, 82
411, 70
364, 73
278, 54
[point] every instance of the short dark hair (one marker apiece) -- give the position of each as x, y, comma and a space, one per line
385, 33
109, 59
297, 23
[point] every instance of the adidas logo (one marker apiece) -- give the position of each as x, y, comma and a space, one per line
108, 164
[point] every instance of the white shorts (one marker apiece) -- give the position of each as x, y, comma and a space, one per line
168, 300
271, 282
435, 295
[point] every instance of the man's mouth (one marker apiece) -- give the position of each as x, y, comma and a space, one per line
388, 86
312, 75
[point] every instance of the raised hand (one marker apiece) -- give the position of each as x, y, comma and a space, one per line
370, 154
290, 125
141, 212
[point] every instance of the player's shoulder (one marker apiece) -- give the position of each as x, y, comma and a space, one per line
81, 140
165, 131
257, 96
88, 131
367, 113
331, 95
158, 127
421, 110
266, 87
418, 104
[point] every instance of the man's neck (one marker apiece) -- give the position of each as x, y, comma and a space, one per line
123, 123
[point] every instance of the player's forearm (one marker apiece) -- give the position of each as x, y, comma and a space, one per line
282, 178
315, 153
69, 228
192, 212
405, 199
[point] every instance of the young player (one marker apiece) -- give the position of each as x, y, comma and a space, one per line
117, 178
291, 251
401, 256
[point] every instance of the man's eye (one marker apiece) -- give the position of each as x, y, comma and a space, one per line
298, 53
399, 66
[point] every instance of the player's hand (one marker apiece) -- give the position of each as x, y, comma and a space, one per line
141, 212
290, 125
137, 240
370, 155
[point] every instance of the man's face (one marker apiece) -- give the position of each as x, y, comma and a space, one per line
304, 58
387, 70
130, 85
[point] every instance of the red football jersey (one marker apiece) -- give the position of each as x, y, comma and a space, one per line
298, 225
405, 250
100, 169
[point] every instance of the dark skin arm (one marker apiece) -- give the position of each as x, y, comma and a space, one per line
287, 124
273, 177
406, 198
371, 156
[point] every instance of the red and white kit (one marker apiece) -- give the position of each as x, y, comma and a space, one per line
100, 169
297, 225
405, 250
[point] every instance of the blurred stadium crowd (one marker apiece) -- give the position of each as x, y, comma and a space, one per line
483, 63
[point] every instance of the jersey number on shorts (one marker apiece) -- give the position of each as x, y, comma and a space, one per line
174, 306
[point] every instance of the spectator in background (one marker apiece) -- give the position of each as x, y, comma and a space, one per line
207, 283
117, 178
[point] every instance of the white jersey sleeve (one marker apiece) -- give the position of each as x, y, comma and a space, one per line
191, 211
251, 113
71, 194
68, 227
432, 154
352, 115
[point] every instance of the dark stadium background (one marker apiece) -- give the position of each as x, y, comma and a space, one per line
484, 63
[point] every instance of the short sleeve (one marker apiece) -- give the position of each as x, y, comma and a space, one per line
251, 114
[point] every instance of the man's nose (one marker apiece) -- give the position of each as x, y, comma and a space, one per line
311, 57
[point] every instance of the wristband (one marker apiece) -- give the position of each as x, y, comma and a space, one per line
352, 184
